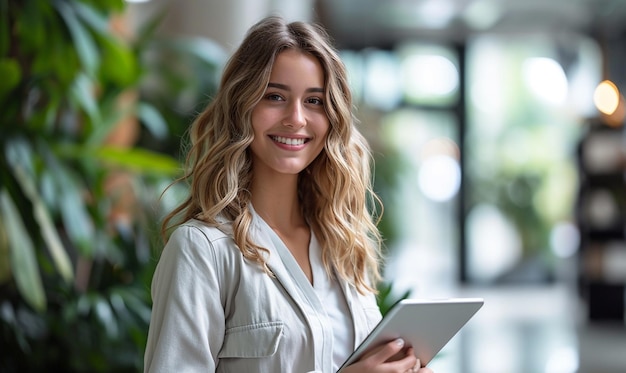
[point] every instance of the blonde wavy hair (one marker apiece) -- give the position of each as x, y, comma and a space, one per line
335, 190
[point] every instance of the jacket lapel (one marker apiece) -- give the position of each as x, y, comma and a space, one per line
263, 238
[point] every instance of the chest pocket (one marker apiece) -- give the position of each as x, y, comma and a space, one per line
252, 341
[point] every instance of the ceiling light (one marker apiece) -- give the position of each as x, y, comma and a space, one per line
482, 14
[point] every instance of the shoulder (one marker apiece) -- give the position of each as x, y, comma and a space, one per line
198, 239
199, 230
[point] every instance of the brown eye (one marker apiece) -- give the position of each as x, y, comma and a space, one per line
315, 101
274, 97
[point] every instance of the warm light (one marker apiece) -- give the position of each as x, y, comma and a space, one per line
606, 97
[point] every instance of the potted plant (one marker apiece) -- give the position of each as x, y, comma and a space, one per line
82, 164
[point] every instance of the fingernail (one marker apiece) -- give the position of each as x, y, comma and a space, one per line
400, 342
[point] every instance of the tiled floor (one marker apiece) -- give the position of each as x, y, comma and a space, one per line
532, 330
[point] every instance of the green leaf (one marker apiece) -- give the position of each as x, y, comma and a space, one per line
4, 28
5, 254
152, 120
108, 6
83, 92
46, 225
135, 303
23, 260
207, 50
96, 20
119, 65
85, 46
112, 114
70, 200
134, 159
76, 218
104, 313
145, 35
384, 300
60, 61
139, 160
19, 155
10, 76
30, 27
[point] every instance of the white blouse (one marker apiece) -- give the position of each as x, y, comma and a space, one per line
329, 293
334, 301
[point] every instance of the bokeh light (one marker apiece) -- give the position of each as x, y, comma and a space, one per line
606, 97
429, 76
546, 79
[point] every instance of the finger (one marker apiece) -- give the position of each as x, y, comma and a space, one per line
421, 369
406, 364
385, 352
417, 366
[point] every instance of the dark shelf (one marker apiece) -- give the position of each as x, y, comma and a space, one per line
604, 296
605, 235
602, 179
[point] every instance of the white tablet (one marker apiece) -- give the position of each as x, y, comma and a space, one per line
425, 324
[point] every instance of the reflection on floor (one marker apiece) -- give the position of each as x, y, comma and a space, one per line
532, 330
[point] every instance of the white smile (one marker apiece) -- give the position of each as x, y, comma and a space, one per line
288, 141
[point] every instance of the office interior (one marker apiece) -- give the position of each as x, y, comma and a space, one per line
497, 131
497, 128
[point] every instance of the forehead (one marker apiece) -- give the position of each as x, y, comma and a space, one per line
296, 65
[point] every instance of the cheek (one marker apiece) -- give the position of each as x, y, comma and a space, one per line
322, 125
257, 121
324, 131
263, 118
322, 134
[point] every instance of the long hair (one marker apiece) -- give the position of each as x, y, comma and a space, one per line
335, 190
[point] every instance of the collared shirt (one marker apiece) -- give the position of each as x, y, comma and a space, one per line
328, 289
215, 311
325, 294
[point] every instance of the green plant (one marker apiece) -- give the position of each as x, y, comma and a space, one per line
78, 206
385, 297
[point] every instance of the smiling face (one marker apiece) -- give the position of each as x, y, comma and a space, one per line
290, 123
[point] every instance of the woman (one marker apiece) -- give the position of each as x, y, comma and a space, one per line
271, 263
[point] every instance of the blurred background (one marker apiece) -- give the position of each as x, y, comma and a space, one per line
497, 128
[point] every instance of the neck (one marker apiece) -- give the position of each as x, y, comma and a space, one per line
275, 199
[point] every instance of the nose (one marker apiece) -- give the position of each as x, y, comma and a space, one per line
295, 116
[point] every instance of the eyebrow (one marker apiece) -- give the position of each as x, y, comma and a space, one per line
286, 88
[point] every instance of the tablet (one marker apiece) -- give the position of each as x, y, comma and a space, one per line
425, 324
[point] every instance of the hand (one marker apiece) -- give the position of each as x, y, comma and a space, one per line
391, 357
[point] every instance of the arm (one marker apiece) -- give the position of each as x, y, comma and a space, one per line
187, 323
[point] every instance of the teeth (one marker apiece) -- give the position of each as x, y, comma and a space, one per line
288, 141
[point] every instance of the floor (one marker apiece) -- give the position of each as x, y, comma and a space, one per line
532, 330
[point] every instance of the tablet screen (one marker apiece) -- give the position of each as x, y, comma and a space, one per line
425, 324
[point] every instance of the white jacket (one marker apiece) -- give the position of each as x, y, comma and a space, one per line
214, 311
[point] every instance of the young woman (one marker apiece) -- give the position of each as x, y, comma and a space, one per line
272, 263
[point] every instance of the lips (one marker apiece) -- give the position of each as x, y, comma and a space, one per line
289, 140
